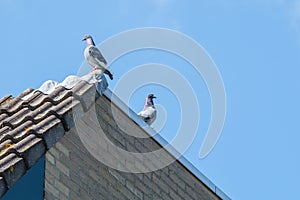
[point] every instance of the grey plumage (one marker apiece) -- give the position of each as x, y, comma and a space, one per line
148, 114
94, 56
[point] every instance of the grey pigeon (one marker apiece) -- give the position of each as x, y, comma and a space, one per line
94, 56
148, 114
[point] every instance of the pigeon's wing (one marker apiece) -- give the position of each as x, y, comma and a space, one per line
152, 116
95, 53
141, 114
145, 113
148, 114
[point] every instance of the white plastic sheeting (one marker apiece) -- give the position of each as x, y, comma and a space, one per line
94, 77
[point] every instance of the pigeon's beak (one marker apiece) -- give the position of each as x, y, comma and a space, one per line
154, 97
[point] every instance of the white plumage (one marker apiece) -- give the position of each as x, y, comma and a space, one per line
148, 114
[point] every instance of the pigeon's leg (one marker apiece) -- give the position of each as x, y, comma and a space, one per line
109, 74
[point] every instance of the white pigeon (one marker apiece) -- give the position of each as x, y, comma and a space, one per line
94, 56
148, 114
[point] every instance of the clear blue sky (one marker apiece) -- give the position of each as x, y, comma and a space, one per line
255, 44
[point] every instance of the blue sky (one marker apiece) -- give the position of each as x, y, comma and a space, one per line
255, 44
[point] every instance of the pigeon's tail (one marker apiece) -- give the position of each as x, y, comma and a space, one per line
109, 74
147, 119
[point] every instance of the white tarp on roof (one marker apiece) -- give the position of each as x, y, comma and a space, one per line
94, 77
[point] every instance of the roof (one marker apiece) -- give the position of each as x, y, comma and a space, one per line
34, 121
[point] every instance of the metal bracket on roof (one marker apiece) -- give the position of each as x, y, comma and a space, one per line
101, 84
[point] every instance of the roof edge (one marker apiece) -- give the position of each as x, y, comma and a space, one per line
187, 164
